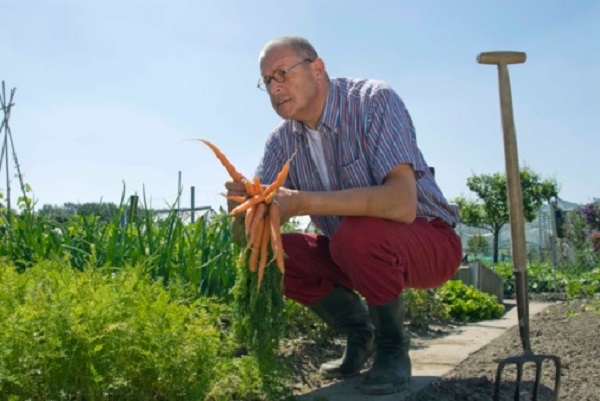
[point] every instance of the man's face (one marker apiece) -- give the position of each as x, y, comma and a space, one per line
293, 98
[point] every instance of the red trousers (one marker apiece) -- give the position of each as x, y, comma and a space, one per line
378, 258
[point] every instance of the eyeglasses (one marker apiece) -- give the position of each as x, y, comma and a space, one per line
278, 75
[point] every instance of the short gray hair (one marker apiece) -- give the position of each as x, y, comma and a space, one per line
297, 44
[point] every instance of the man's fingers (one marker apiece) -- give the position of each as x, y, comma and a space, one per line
234, 189
235, 186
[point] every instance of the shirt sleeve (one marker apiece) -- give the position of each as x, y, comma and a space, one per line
271, 161
391, 137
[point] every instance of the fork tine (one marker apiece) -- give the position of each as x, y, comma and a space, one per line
519, 380
538, 376
519, 362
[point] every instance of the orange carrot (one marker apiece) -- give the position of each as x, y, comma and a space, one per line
256, 199
273, 234
253, 261
256, 221
269, 197
281, 177
275, 220
249, 187
262, 223
257, 186
233, 173
248, 220
235, 198
254, 254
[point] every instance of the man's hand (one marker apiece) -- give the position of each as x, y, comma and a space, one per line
234, 188
237, 224
286, 200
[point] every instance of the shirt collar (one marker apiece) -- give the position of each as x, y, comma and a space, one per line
330, 117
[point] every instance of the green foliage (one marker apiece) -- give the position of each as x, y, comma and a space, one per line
452, 301
587, 285
99, 336
245, 384
478, 245
467, 304
490, 210
61, 214
543, 278
259, 321
106, 331
199, 253
423, 307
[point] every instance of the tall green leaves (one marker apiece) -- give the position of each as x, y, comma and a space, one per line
201, 253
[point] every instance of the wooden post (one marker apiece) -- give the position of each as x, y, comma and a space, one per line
193, 204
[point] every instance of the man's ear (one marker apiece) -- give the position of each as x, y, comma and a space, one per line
319, 67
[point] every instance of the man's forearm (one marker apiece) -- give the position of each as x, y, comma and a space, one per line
379, 201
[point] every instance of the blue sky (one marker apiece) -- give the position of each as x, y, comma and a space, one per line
109, 91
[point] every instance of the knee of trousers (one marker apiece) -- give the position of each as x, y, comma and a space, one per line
355, 240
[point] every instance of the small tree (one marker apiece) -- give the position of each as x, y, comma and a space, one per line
490, 210
478, 245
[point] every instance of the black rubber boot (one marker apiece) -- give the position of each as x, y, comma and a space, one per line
392, 367
344, 311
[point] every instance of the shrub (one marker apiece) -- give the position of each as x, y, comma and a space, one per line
98, 336
424, 307
455, 301
467, 304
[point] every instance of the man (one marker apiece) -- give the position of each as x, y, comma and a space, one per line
357, 171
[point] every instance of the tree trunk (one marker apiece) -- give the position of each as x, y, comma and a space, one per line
496, 241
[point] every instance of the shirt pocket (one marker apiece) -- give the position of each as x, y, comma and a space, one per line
355, 174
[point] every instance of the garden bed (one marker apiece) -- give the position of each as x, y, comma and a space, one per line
569, 330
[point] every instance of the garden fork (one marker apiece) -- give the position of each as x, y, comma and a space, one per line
517, 231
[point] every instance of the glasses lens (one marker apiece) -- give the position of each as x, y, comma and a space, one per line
279, 76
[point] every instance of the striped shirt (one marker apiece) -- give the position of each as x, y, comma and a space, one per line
367, 131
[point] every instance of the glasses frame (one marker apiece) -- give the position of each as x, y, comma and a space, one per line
278, 75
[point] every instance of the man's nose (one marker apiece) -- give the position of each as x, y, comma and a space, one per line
274, 87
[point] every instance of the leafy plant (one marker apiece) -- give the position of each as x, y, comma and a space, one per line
260, 320
586, 286
199, 253
98, 336
467, 304
423, 307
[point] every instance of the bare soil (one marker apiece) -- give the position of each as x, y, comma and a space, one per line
569, 330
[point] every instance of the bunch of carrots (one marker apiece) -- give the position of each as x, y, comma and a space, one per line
262, 223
